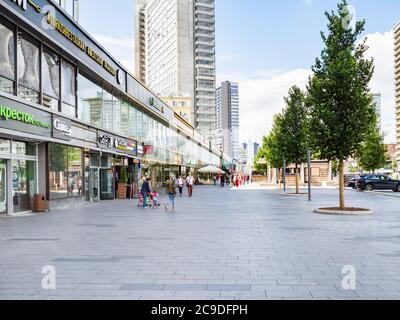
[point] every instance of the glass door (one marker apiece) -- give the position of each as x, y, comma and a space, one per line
94, 194
3, 186
24, 186
107, 184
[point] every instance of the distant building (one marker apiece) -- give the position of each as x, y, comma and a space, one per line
396, 32
256, 148
227, 96
182, 105
378, 107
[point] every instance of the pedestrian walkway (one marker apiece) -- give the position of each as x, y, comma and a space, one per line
248, 244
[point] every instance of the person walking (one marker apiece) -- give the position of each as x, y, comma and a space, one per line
170, 187
222, 181
145, 191
190, 183
181, 183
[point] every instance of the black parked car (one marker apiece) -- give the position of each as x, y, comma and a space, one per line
378, 182
352, 183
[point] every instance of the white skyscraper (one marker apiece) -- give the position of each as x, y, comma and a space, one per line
71, 6
378, 106
227, 96
175, 53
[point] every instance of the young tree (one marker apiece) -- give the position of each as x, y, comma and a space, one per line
372, 153
259, 165
274, 147
340, 104
294, 131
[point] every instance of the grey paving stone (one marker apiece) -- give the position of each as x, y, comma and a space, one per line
257, 245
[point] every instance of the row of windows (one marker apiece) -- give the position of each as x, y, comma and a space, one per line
58, 75
74, 94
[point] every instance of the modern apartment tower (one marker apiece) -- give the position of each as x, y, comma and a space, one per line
227, 96
140, 41
378, 107
396, 32
71, 6
175, 53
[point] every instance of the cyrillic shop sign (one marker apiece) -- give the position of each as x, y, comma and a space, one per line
20, 117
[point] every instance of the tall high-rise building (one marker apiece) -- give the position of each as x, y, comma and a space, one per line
227, 96
378, 107
256, 148
140, 40
396, 32
175, 53
71, 6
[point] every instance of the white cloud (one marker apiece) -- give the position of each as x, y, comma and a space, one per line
261, 94
122, 49
382, 50
261, 97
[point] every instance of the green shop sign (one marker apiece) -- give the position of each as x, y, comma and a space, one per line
28, 118
22, 118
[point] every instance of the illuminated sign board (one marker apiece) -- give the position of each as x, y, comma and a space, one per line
105, 140
20, 117
62, 128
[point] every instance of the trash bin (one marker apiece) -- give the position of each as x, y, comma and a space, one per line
39, 203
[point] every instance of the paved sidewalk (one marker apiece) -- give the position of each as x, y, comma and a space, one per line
248, 244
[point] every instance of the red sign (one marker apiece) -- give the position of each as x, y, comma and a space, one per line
148, 149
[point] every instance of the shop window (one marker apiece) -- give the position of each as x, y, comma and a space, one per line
68, 86
7, 59
65, 171
125, 119
28, 69
108, 106
51, 79
23, 148
5, 146
90, 102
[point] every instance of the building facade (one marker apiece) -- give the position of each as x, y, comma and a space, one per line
378, 107
182, 105
175, 52
71, 6
72, 119
396, 32
227, 115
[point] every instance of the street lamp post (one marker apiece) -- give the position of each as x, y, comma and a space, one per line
284, 175
309, 174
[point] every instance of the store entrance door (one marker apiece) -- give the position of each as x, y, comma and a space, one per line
94, 195
3, 186
106, 184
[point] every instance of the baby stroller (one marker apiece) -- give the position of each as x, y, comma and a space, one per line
140, 200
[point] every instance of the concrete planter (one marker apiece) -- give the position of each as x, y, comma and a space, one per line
348, 212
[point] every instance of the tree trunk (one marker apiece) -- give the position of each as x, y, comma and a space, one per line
297, 180
341, 184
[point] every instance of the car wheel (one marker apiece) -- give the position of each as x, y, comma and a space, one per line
398, 188
369, 187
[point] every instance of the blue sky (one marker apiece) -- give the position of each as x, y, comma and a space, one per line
261, 44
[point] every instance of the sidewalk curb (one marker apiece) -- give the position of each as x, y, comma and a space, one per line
377, 193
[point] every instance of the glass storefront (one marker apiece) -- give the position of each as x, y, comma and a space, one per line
24, 184
65, 171
18, 176
3, 186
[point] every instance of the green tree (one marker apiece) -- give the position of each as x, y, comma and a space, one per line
261, 156
294, 130
372, 154
340, 104
274, 144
